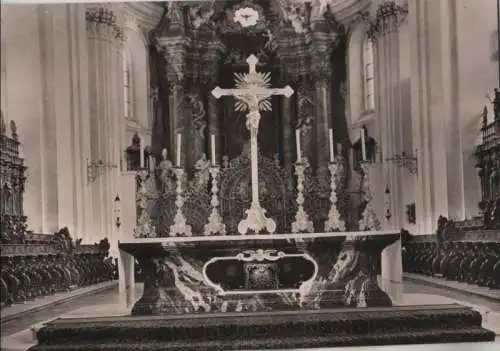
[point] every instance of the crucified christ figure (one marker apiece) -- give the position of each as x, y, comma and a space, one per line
253, 90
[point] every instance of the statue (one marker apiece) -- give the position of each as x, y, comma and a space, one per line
194, 106
13, 130
199, 14
165, 172
296, 14
202, 175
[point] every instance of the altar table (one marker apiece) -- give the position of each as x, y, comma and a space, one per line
257, 272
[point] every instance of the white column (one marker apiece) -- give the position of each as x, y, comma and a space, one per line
106, 113
389, 115
435, 116
388, 112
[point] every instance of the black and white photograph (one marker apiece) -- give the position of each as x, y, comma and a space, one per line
250, 175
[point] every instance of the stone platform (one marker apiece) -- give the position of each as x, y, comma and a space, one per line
257, 331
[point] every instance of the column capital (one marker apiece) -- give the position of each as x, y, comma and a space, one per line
388, 17
174, 51
101, 21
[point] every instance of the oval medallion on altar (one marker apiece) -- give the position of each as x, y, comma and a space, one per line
260, 271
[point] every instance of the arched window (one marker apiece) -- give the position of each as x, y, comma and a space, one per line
127, 87
368, 76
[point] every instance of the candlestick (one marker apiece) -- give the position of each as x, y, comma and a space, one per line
178, 159
369, 220
141, 153
334, 223
297, 140
330, 139
212, 148
363, 145
302, 222
151, 163
215, 224
180, 226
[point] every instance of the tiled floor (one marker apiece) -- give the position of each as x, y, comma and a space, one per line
18, 334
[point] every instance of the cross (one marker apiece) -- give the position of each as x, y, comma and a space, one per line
254, 89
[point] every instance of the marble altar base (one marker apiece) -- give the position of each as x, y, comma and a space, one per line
278, 272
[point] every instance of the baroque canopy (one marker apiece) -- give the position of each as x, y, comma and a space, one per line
299, 35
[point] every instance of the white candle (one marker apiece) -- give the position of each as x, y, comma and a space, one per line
330, 139
212, 148
151, 163
363, 145
141, 154
297, 140
179, 138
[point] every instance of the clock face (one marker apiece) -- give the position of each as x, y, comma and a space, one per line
246, 17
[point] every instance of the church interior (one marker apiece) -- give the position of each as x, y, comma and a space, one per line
250, 174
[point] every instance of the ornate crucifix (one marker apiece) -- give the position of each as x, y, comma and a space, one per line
253, 92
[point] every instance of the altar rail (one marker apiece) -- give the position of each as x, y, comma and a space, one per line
46, 264
454, 254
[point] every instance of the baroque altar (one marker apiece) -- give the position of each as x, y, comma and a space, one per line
245, 242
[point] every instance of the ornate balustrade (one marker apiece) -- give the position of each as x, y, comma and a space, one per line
455, 254
47, 264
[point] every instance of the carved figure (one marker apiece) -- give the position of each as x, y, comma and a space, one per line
352, 271
296, 13
165, 172
199, 14
13, 130
202, 174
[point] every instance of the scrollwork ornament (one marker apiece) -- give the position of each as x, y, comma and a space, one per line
103, 21
388, 18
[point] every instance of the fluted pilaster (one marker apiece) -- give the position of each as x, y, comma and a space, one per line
383, 31
434, 105
105, 36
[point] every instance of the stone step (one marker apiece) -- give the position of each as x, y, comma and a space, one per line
285, 330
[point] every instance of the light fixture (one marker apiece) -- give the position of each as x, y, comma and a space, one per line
95, 169
405, 160
118, 210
